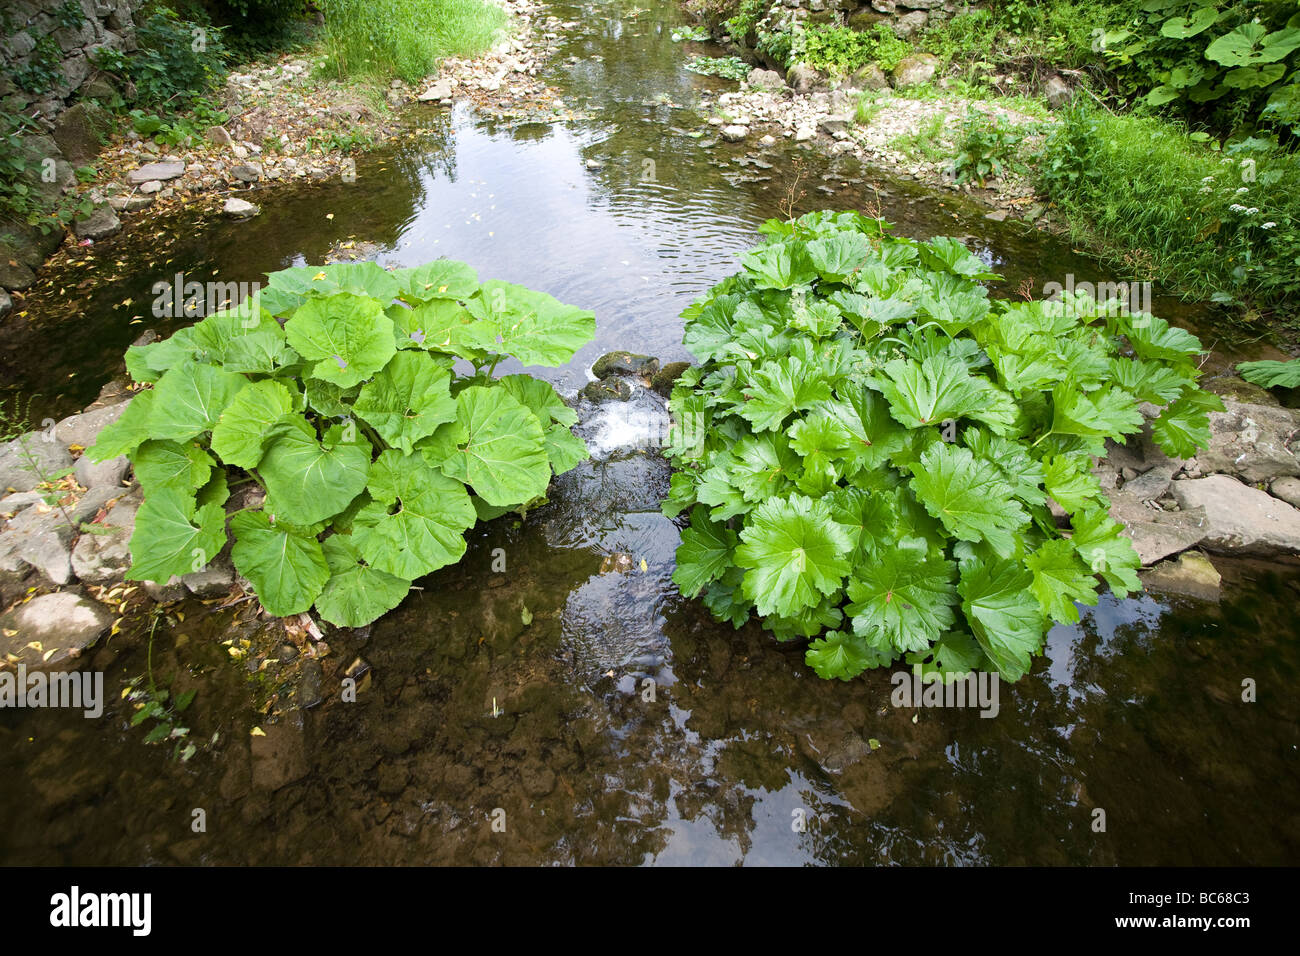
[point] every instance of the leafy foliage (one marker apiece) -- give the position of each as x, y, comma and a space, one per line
867, 450
335, 390
985, 148
727, 67
1271, 373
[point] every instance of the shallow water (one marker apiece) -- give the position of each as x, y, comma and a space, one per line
1137, 711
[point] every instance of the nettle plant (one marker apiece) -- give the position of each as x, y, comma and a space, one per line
340, 392
868, 448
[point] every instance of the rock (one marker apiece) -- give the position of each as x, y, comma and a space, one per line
280, 754
1192, 575
15, 275
1150, 485
915, 70
666, 377
767, 140
239, 152
247, 172
41, 538
1057, 92
166, 593
240, 209
1240, 519
1287, 489
998, 215
608, 390
440, 90
65, 623
594, 164
804, 79
129, 203
12, 504
6, 303
760, 79
101, 222
81, 130
830, 125
155, 171
733, 133
308, 693
30, 459
1252, 442
102, 558
105, 473
1156, 534
869, 77
213, 581
83, 428
617, 563
908, 24
1239, 390
219, 135
624, 363
804, 133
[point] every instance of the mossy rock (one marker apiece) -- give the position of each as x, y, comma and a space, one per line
625, 363
667, 376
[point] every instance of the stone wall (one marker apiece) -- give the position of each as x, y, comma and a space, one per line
38, 36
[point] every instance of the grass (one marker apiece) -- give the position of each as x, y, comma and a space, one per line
1221, 224
406, 38
927, 142
868, 106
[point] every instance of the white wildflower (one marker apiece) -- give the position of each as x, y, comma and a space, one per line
1267, 225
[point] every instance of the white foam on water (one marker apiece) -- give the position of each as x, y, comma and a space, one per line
621, 426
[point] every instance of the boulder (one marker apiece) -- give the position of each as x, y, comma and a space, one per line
908, 24
869, 77
1156, 534
240, 209
1057, 92
1192, 575
666, 377
915, 70
101, 223
102, 558
42, 538
1288, 489
92, 474
440, 90
81, 130
30, 459
625, 363
1240, 519
830, 125
608, 390
213, 581
733, 133
83, 428
804, 79
760, 79
155, 171
1253, 442
65, 623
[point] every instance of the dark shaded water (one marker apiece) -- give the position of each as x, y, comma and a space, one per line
1136, 712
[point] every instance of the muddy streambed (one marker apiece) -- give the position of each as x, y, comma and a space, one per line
621, 724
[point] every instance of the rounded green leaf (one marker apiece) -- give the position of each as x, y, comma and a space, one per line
533, 326
794, 553
286, 566
239, 434
309, 481
356, 594
407, 400
190, 398
348, 337
174, 537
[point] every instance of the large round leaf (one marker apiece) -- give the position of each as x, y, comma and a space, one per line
534, 327
356, 594
286, 566
173, 536
496, 446
348, 337
238, 436
407, 400
417, 520
794, 552
310, 481
190, 398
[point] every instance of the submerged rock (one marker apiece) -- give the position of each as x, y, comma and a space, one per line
1193, 575
280, 753
624, 363
64, 623
666, 377
240, 209
608, 390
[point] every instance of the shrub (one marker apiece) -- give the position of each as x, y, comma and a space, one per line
335, 391
840, 51
178, 60
985, 149
867, 451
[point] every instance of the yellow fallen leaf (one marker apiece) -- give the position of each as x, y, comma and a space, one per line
257, 732
644, 566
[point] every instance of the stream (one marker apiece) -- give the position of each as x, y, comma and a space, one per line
621, 724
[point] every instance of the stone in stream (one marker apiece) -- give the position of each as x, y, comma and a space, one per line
608, 390
213, 581
155, 171
1193, 575
625, 363
240, 209
1240, 519
733, 133
101, 223
247, 172
1252, 442
666, 377
65, 623
84, 427
440, 90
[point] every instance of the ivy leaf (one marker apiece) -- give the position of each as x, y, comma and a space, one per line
174, 537
495, 445
1060, 579
125, 435
356, 594
779, 388
417, 520
169, 465
533, 326
844, 656
1003, 613
238, 435
794, 553
348, 337
969, 496
285, 564
190, 399
311, 482
1184, 427
704, 554
407, 400
905, 593
1106, 551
